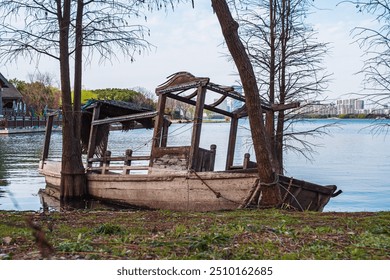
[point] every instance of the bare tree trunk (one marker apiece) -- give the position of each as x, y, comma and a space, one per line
270, 196
284, 37
78, 69
270, 115
73, 182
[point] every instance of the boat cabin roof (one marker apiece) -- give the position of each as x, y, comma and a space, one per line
127, 113
179, 84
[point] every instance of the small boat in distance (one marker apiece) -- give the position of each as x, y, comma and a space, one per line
177, 177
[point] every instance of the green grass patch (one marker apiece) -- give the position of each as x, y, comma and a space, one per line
241, 234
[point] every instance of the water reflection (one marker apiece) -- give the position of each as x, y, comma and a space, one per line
19, 156
3, 175
49, 197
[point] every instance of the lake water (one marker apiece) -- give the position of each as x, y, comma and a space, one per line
349, 156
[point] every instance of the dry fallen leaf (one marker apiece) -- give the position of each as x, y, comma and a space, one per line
7, 240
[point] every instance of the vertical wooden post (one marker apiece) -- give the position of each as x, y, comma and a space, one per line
213, 149
158, 126
128, 154
106, 161
164, 133
159, 120
245, 164
232, 142
92, 135
46, 145
197, 127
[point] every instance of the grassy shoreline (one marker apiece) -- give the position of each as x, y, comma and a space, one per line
241, 234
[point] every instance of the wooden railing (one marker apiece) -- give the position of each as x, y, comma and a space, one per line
247, 164
178, 158
206, 159
25, 121
121, 163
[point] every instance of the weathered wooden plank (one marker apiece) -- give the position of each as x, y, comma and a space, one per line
213, 149
92, 134
132, 117
219, 101
184, 86
122, 158
105, 164
197, 126
127, 160
46, 145
228, 93
164, 133
106, 168
207, 107
158, 123
232, 142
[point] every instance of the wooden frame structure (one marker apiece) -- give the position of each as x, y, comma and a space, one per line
177, 87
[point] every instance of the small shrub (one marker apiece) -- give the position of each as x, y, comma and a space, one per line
108, 229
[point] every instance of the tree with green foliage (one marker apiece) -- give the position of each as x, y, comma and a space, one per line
128, 95
38, 95
39, 92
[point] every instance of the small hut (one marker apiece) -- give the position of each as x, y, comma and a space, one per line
10, 99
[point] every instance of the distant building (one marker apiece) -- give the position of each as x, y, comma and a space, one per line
384, 110
350, 106
11, 102
315, 107
236, 104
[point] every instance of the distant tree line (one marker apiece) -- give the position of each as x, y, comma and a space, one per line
39, 94
137, 95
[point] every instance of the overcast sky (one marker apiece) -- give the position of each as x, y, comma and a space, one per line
190, 40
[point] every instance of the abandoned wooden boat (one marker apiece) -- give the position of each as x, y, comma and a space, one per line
176, 177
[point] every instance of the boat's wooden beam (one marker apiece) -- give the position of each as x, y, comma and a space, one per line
182, 87
132, 117
219, 101
46, 145
232, 142
122, 158
164, 133
197, 126
190, 96
92, 134
105, 169
192, 102
232, 94
158, 126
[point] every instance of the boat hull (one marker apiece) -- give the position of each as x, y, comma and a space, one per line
191, 191
209, 191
